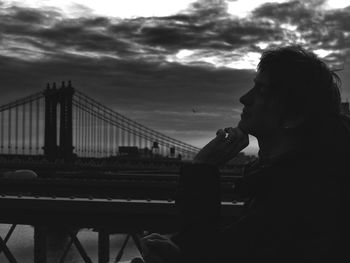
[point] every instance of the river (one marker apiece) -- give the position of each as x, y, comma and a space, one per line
21, 244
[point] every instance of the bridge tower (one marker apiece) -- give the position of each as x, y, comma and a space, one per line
66, 123
50, 140
53, 98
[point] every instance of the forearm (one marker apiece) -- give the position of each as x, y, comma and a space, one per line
198, 193
198, 204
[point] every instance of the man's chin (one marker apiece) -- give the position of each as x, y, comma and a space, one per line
244, 127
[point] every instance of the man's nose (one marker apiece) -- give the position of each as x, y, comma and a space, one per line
247, 98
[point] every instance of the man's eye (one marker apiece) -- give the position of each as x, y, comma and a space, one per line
263, 91
260, 89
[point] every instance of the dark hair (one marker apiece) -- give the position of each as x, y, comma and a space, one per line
304, 82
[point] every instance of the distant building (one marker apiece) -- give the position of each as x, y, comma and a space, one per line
145, 152
128, 151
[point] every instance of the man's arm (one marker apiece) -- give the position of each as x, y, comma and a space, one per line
198, 196
198, 204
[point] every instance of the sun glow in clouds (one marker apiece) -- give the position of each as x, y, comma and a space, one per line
262, 45
288, 27
248, 61
334, 4
110, 8
242, 8
239, 58
183, 53
322, 52
149, 8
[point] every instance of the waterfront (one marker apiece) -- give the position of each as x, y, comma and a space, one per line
22, 246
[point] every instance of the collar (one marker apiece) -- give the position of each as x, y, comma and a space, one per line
267, 161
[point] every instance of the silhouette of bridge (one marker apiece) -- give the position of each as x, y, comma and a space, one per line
64, 123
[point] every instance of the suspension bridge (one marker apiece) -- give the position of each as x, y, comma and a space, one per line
64, 123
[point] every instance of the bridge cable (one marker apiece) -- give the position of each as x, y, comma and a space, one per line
93, 102
86, 118
30, 126
16, 130
132, 131
21, 101
2, 131
156, 134
126, 128
37, 125
83, 132
23, 127
9, 131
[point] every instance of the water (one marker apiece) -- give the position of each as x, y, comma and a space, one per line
21, 244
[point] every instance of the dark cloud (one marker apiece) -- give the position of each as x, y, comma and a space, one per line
209, 10
28, 16
205, 25
15, 15
97, 22
290, 12
143, 84
165, 36
339, 19
320, 29
159, 96
123, 62
199, 28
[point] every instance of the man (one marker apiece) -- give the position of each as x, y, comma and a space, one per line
296, 193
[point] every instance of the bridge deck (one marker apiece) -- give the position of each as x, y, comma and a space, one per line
128, 205
120, 214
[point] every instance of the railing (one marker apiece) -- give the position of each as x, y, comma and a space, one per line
130, 204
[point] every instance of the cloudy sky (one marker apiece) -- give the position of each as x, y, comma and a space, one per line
178, 67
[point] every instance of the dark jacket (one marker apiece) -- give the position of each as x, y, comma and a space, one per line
296, 207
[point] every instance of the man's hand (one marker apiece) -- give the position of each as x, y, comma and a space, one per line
159, 249
226, 145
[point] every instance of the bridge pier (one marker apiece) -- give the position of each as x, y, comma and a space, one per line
53, 242
63, 97
103, 246
66, 122
50, 141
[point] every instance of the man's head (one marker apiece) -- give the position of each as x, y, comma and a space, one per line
292, 89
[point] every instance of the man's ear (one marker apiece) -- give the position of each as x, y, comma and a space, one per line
292, 122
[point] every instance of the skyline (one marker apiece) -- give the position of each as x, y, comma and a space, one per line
179, 70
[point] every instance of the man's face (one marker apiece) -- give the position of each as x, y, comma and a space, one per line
262, 111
